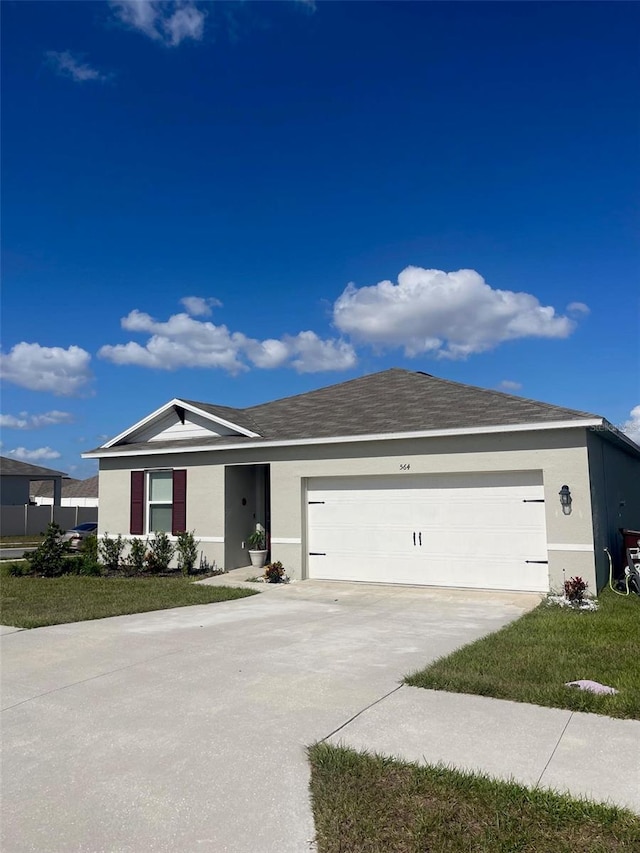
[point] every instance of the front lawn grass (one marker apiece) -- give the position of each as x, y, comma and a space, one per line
531, 659
371, 804
19, 541
28, 602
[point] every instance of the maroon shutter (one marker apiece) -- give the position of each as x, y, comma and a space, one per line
179, 515
137, 503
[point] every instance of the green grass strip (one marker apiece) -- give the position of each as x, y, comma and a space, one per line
531, 659
27, 602
370, 804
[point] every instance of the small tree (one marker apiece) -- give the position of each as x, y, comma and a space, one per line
111, 551
50, 557
187, 548
160, 553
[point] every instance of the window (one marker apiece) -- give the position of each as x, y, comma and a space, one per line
158, 502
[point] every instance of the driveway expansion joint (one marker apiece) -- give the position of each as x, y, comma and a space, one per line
361, 711
553, 751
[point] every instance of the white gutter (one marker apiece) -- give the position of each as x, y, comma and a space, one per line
349, 439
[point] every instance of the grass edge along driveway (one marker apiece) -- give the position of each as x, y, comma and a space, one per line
366, 803
28, 602
530, 659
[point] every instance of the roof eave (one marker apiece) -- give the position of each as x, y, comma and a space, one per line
348, 439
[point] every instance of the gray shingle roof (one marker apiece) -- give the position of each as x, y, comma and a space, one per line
70, 488
398, 401
16, 468
235, 416
392, 401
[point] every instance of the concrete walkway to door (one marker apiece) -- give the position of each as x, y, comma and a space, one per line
186, 729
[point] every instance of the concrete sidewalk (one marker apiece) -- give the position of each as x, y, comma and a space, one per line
585, 755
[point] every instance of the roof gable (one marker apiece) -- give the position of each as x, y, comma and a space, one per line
180, 420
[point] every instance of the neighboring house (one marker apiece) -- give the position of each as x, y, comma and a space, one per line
16, 478
74, 492
395, 477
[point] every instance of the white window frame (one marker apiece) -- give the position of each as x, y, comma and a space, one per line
149, 503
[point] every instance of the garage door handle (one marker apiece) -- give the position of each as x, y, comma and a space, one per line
414, 537
316, 502
420, 539
538, 561
533, 501
317, 554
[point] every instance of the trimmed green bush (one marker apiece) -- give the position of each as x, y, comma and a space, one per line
187, 549
111, 551
160, 553
137, 554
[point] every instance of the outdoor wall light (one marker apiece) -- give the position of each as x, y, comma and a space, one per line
565, 500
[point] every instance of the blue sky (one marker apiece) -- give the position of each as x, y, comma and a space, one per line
234, 202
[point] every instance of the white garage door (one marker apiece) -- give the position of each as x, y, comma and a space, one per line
462, 530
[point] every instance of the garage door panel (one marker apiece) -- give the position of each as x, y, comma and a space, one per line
475, 530
438, 571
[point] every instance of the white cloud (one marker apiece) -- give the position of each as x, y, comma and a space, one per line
63, 372
578, 308
67, 65
183, 341
27, 421
450, 314
267, 354
168, 21
197, 306
34, 455
632, 426
312, 354
510, 385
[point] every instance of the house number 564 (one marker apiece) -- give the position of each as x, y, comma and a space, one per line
405, 466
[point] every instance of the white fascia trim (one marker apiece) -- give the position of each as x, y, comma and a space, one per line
350, 439
183, 405
561, 546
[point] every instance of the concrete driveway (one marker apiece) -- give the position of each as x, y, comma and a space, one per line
185, 729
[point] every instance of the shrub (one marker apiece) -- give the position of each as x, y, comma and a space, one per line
208, 568
274, 572
49, 558
187, 548
87, 563
137, 552
111, 551
160, 553
16, 570
575, 588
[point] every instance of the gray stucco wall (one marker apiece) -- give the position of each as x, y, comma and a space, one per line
615, 497
14, 491
561, 455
